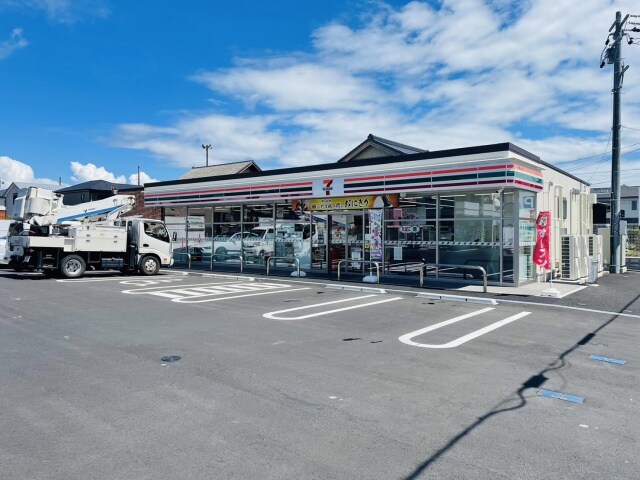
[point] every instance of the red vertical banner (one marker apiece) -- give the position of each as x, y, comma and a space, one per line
542, 250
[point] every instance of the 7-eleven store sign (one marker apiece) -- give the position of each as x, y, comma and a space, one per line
328, 187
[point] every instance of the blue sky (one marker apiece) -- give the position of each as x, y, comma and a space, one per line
93, 89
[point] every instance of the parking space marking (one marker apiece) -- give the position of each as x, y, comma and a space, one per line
274, 315
407, 339
130, 281
141, 291
218, 299
212, 292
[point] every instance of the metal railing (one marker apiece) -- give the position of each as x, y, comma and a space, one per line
370, 262
291, 259
238, 255
189, 259
448, 266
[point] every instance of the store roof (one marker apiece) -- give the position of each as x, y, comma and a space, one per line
222, 169
481, 149
375, 147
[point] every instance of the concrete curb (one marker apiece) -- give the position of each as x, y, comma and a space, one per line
457, 298
355, 288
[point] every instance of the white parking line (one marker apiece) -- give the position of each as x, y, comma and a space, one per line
126, 281
273, 315
141, 291
465, 338
218, 299
213, 292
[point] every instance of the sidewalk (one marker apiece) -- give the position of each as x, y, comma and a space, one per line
528, 290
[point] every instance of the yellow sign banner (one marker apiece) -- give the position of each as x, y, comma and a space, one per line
340, 203
345, 203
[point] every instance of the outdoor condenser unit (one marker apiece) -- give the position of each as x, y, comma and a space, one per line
596, 250
571, 251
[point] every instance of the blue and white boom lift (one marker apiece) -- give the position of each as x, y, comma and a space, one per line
55, 238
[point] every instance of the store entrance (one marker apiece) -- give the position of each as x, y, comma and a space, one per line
346, 235
346, 240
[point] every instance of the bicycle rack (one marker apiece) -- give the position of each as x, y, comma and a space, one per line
370, 262
239, 255
464, 267
291, 259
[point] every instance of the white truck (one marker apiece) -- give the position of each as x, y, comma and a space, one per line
4, 229
55, 238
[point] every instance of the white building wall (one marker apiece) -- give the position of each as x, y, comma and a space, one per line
560, 192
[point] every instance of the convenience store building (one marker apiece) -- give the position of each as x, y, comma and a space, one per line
473, 206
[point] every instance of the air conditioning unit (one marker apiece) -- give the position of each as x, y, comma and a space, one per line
596, 250
584, 255
573, 258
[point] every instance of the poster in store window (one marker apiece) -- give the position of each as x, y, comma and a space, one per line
375, 242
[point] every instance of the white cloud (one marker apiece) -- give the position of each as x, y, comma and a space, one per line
144, 178
88, 172
15, 171
16, 42
466, 72
294, 87
233, 139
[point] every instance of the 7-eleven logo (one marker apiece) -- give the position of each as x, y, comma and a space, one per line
327, 186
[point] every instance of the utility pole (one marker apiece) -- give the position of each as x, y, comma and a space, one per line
612, 53
207, 148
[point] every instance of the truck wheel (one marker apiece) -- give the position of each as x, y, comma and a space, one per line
149, 265
72, 266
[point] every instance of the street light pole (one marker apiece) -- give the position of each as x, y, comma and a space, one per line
207, 147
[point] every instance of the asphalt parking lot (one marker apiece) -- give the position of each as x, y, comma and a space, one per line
203, 376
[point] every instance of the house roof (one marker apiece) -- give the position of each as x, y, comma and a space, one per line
99, 185
221, 169
20, 185
375, 147
625, 191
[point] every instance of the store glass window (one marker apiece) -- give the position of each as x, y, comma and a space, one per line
175, 219
258, 233
227, 234
527, 234
471, 205
295, 234
471, 242
199, 228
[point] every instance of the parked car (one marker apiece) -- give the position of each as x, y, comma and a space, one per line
232, 245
